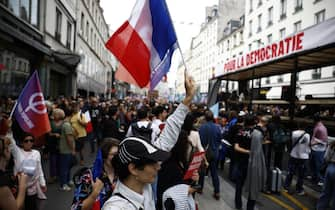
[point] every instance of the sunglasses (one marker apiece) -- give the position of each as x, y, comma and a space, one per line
28, 140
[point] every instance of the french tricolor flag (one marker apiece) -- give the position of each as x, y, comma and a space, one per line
144, 44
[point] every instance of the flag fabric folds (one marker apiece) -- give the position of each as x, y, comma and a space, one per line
144, 44
89, 126
30, 111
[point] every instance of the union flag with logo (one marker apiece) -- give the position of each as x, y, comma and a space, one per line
30, 111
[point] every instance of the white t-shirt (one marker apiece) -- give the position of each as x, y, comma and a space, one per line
302, 149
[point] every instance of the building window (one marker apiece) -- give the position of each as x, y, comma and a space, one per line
297, 26
250, 5
259, 43
249, 46
25, 9
82, 22
320, 16
14, 6
241, 37
234, 40
280, 79
282, 33
228, 43
316, 74
250, 28
92, 7
58, 31
267, 80
259, 29
282, 9
87, 30
91, 37
259, 3
270, 16
69, 35
269, 38
298, 5
34, 12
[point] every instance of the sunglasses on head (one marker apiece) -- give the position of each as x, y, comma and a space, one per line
28, 140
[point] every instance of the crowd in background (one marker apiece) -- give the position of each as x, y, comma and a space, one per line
254, 143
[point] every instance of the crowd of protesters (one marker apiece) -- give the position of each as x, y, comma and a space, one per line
144, 148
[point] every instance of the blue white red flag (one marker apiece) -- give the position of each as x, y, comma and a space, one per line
144, 44
31, 111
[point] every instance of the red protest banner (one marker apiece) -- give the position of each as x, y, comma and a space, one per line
194, 165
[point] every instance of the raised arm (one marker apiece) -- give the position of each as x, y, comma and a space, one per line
169, 136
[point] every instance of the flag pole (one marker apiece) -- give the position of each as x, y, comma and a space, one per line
13, 109
182, 57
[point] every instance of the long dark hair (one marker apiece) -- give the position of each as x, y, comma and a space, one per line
179, 151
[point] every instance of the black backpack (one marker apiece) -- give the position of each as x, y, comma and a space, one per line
142, 132
281, 136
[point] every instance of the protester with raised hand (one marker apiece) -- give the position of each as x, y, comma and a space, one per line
138, 162
28, 161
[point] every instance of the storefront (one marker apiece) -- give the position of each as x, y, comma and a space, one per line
21, 51
89, 87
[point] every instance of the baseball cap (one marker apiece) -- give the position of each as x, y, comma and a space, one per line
133, 149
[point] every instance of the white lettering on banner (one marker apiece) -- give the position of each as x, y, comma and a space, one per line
34, 104
25, 117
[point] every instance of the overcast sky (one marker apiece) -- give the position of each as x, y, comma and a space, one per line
187, 16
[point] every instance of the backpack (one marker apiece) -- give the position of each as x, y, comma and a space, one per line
281, 136
144, 132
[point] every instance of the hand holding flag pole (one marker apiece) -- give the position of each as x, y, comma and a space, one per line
190, 88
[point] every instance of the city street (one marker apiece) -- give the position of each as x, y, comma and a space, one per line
62, 200
184, 76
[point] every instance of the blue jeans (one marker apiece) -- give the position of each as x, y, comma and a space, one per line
316, 162
328, 192
294, 165
64, 167
54, 164
214, 173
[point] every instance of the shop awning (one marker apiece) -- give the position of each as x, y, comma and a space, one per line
312, 48
68, 59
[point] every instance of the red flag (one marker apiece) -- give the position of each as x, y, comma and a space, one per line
31, 111
89, 126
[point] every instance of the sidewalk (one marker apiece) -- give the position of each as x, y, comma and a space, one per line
226, 202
